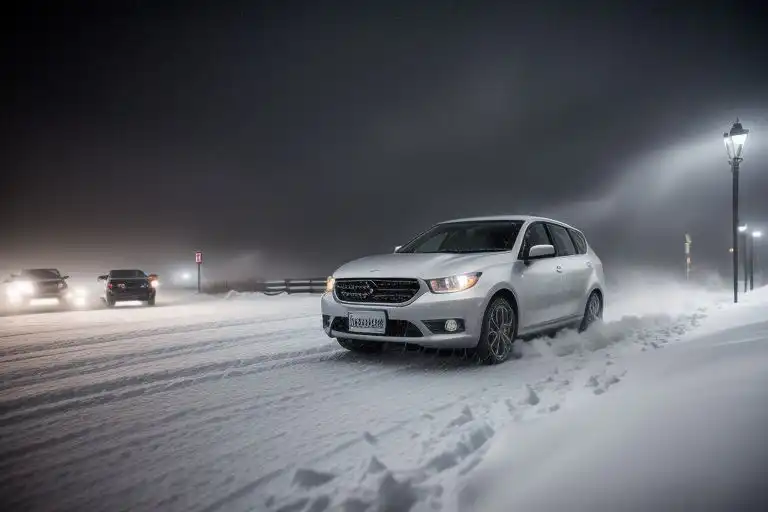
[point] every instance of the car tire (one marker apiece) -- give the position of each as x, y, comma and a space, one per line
593, 311
109, 302
363, 347
497, 334
151, 302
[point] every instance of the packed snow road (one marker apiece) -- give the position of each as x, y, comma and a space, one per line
243, 403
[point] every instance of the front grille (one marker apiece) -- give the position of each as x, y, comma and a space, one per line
395, 328
378, 291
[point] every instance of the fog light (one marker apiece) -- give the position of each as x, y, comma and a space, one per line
451, 325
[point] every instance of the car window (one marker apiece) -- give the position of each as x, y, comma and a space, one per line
563, 243
41, 273
579, 241
536, 234
466, 237
126, 274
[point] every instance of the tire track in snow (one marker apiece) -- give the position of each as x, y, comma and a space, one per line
18, 409
227, 408
31, 375
364, 375
30, 348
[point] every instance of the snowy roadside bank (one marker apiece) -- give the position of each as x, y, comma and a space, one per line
687, 430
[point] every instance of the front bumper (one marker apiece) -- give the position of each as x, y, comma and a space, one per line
413, 323
130, 295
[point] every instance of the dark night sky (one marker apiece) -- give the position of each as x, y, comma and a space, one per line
320, 134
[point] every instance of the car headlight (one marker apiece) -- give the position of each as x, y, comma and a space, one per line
454, 283
154, 283
24, 287
329, 284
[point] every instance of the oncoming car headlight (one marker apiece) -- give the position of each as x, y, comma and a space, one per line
154, 283
329, 284
454, 283
22, 288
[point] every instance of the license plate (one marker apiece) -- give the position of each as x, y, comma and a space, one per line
374, 322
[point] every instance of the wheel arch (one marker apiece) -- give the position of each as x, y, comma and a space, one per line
599, 291
511, 296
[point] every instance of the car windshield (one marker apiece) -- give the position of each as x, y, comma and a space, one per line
40, 273
461, 237
126, 274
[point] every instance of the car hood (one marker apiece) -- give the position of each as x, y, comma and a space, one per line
423, 266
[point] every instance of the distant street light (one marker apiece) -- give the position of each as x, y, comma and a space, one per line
734, 145
755, 236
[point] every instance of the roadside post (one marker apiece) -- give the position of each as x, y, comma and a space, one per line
199, 261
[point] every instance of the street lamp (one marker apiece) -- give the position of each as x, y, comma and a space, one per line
734, 145
743, 231
755, 235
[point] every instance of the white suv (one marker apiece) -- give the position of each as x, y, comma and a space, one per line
475, 283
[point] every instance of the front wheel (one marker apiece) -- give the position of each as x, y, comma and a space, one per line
364, 347
498, 332
151, 302
592, 312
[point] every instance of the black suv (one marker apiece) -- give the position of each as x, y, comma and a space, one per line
129, 285
32, 284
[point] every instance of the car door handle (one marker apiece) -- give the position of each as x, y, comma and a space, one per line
589, 264
559, 268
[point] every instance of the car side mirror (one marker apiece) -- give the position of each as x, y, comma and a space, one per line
538, 252
101, 278
397, 247
64, 277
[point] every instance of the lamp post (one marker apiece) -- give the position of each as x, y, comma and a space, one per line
755, 235
687, 256
745, 262
734, 145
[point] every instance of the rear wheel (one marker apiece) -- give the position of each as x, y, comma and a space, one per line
498, 332
109, 302
364, 347
592, 312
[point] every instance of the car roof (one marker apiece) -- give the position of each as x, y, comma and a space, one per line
523, 218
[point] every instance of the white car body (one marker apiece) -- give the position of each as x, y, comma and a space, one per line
547, 293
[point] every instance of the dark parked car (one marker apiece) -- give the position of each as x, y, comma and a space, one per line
129, 285
34, 285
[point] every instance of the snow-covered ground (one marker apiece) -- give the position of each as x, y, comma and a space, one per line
243, 403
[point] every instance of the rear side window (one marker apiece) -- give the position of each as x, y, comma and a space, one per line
536, 234
579, 241
563, 243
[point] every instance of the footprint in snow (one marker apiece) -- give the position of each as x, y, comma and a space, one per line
465, 417
309, 478
375, 466
531, 397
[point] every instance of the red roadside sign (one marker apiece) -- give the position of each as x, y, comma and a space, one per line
198, 257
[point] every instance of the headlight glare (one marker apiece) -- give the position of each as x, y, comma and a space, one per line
329, 283
24, 287
454, 283
154, 283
